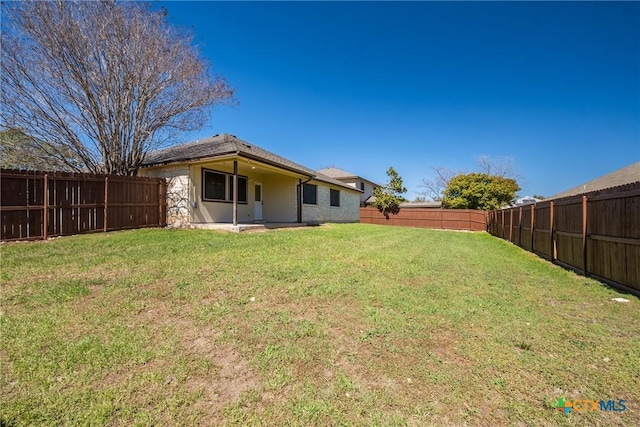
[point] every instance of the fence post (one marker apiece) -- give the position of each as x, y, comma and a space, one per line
45, 207
552, 252
160, 199
106, 198
533, 212
511, 210
486, 220
584, 234
520, 226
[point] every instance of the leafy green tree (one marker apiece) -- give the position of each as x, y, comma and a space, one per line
479, 191
20, 151
389, 196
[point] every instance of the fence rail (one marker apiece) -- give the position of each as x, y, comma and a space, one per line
450, 219
596, 234
37, 205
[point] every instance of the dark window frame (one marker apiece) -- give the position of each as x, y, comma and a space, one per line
361, 185
306, 199
334, 198
228, 187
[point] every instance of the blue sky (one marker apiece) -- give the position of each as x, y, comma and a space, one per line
367, 85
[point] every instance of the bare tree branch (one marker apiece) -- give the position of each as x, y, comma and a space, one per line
105, 80
504, 167
433, 188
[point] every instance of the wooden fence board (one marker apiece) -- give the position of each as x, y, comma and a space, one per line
597, 233
37, 205
451, 219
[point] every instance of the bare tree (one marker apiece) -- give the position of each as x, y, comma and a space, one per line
107, 80
504, 166
434, 187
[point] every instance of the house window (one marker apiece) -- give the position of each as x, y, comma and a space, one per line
242, 188
218, 187
310, 194
214, 184
361, 185
334, 196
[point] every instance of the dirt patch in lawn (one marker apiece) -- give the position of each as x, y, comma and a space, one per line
232, 379
226, 376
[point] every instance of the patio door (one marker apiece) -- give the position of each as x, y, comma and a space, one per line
257, 202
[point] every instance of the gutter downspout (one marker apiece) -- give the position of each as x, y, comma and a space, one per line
299, 191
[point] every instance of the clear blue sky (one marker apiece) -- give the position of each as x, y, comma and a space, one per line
367, 85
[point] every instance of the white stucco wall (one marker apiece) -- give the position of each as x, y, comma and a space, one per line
280, 199
211, 212
348, 211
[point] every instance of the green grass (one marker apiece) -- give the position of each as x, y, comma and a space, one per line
333, 325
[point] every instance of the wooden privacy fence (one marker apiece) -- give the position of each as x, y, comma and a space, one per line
37, 205
450, 219
596, 234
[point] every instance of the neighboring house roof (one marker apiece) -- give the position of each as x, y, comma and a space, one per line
220, 145
526, 200
336, 173
627, 175
324, 178
434, 205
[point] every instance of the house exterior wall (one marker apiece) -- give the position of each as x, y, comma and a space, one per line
280, 199
185, 205
355, 183
206, 211
368, 191
348, 211
178, 194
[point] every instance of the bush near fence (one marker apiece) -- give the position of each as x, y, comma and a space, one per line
449, 219
596, 234
38, 205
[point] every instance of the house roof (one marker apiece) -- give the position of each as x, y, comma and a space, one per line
626, 175
336, 173
225, 144
220, 145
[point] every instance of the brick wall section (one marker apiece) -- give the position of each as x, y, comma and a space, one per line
348, 211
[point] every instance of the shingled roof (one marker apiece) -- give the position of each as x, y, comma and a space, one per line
627, 175
324, 178
220, 145
337, 173
225, 144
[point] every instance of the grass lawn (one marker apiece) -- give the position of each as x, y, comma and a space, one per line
334, 325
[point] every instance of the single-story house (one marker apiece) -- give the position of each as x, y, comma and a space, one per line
353, 180
225, 180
